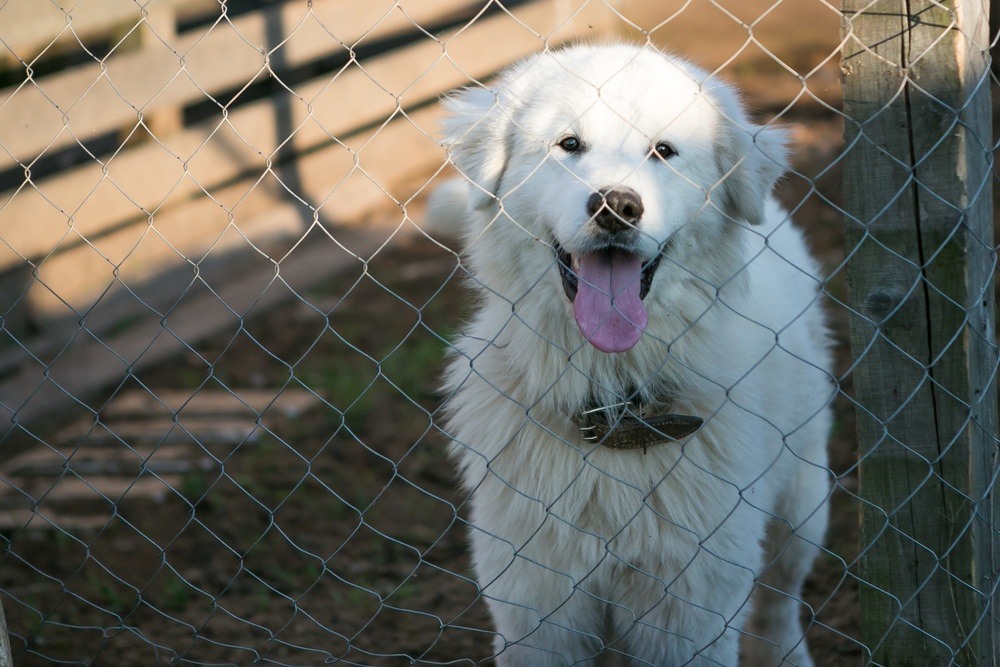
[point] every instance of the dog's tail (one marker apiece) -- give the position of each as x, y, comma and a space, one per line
447, 208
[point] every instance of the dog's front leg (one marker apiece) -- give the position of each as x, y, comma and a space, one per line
542, 611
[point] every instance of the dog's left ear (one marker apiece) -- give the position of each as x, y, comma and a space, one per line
751, 159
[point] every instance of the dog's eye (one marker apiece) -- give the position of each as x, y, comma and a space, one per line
570, 144
664, 150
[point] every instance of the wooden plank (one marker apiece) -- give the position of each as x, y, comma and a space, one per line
160, 25
146, 178
45, 519
259, 216
150, 176
91, 100
153, 292
344, 182
80, 362
139, 403
28, 27
114, 458
103, 489
916, 95
231, 430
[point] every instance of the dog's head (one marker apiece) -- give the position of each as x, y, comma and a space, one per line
609, 155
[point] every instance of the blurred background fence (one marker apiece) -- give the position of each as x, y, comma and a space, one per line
153, 148
222, 320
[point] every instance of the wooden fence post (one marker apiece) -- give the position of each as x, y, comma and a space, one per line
160, 24
917, 187
5, 659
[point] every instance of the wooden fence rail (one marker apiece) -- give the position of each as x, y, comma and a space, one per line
201, 149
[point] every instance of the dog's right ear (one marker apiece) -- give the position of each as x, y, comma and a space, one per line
474, 136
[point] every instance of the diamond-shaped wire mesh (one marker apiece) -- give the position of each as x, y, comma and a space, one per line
226, 312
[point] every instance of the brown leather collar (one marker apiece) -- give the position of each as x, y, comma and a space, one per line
632, 425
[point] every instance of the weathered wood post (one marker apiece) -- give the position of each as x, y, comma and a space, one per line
5, 659
920, 274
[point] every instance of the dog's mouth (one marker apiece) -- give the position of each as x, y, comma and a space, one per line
607, 288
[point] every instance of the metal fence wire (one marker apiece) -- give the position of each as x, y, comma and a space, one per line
227, 310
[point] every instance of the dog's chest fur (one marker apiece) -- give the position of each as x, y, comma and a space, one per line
519, 447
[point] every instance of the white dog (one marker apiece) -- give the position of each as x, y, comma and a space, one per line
640, 405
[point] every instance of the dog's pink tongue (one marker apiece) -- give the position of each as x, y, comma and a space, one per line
607, 306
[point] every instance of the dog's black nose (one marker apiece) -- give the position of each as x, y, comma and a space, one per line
615, 209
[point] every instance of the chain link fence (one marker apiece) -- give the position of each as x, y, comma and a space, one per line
225, 319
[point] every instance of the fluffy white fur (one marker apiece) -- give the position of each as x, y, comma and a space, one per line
582, 551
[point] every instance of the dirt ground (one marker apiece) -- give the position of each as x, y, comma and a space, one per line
338, 534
